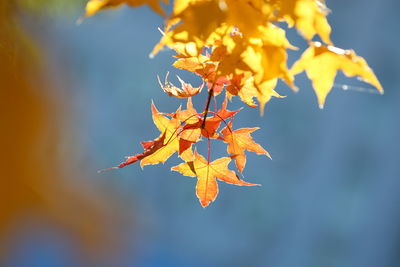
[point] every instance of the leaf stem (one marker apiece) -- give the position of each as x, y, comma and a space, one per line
210, 94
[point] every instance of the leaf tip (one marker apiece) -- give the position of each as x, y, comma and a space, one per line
154, 110
205, 203
141, 165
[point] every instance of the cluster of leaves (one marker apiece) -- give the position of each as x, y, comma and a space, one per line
182, 129
240, 47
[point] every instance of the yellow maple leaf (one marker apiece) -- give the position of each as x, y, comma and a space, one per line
260, 59
309, 17
192, 21
247, 15
321, 63
263, 91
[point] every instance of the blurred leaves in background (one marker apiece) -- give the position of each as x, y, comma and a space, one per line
38, 180
52, 7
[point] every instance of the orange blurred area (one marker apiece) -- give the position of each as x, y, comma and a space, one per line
36, 180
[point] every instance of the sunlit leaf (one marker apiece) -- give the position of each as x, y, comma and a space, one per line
207, 173
322, 62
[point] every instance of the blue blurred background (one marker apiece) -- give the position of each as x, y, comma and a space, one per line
329, 197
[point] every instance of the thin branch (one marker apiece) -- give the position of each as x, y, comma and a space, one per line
210, 94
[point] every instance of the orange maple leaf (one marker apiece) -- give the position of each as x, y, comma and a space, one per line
239, 141
207, 173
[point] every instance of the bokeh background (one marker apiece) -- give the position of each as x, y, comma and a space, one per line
76, 98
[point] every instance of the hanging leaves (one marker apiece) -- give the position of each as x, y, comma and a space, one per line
182, 129
239, 47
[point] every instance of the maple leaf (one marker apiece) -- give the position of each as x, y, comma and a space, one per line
230, 54
169, 127
200, 65
309, 17
187, 89
253, 64
321, 63
207, 173
244, 86
150, 147
193, 64
160, 149
247, 15
191, 21
93, 6
239, 141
